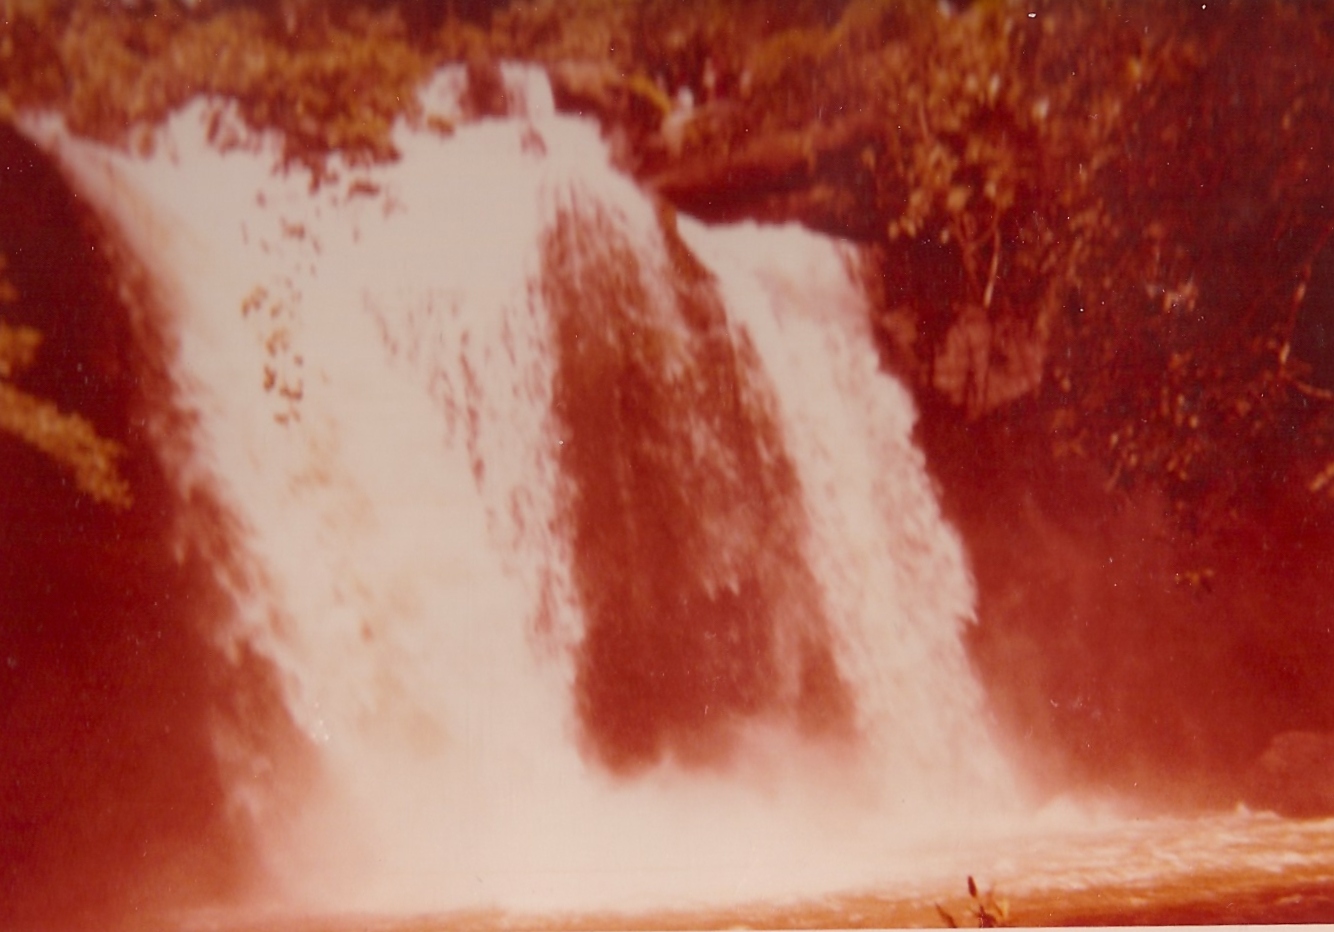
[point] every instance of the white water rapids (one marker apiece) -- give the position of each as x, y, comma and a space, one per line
403, 388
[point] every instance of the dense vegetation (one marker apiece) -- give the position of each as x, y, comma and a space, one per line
68, 439
1109, 219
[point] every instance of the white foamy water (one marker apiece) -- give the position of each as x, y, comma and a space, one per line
894, 575
373, 368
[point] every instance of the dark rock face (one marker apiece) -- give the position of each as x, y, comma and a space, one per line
1110, 661
701, 611
486, 95
111, 687
1313, 341
780, 178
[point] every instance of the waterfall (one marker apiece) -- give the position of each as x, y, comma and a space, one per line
589, 543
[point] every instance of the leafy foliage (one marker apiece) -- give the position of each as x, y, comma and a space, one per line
1111, 213
326, 78
1109, 210
67, 439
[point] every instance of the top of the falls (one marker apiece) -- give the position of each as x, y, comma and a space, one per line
458, 93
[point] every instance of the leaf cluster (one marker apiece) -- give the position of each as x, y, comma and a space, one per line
323, 77
69, 440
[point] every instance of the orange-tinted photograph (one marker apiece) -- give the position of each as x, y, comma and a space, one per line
646, 464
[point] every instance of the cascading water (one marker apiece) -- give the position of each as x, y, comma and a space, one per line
590, 546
